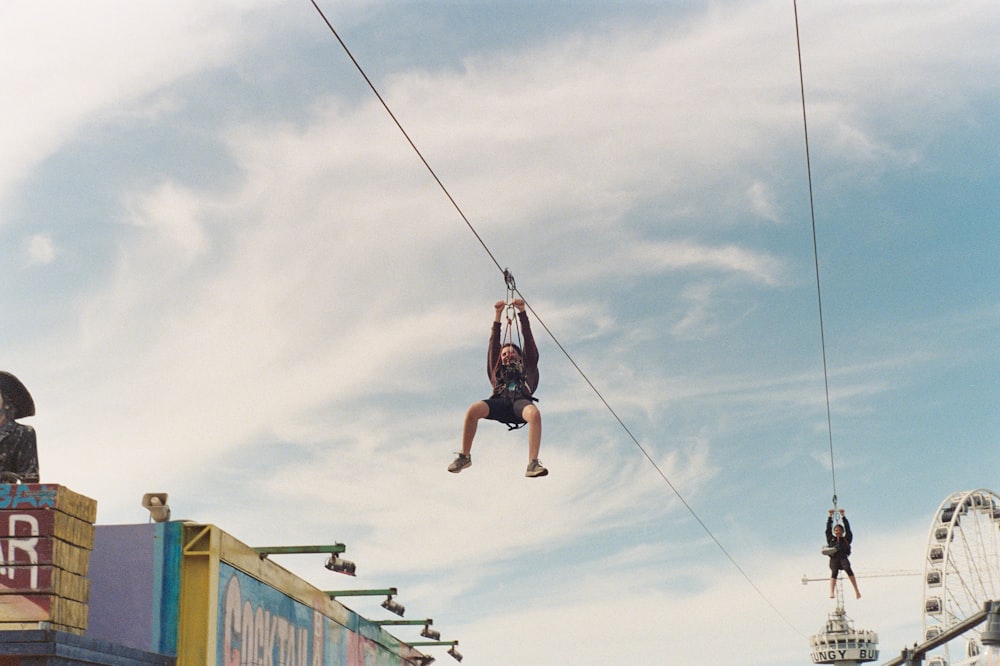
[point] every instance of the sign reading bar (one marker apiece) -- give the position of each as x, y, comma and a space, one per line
46, 534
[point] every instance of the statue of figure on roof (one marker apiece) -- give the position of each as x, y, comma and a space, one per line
18, 447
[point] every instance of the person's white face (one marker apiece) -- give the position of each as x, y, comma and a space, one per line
838, 531
509, 355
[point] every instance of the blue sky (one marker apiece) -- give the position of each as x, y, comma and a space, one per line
230, 278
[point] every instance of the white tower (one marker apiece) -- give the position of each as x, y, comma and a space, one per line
841, 644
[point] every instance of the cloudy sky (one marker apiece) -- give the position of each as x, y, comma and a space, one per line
229, 277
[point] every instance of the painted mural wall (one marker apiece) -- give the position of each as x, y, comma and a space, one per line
260, 625
238, 609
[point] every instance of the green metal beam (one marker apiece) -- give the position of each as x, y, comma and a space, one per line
389, 591
414, 622
429, 643
264, 551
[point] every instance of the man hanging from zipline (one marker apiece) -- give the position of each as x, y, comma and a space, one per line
514, 376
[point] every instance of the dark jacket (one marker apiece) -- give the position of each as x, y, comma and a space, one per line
843, 544
19, 451
527, 380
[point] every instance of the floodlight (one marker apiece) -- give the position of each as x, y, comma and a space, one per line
393, 606
340, 565
427, 632
455, 653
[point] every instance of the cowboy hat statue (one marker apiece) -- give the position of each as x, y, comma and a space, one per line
18, 448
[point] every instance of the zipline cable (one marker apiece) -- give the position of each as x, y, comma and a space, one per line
662, 474
812, 214
508, 278
407, 136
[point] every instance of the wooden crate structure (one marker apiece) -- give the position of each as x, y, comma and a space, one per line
46, 535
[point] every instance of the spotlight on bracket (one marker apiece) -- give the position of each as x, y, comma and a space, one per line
455, 653
393, 606
427, 632
156, 504
426, 660
340, 565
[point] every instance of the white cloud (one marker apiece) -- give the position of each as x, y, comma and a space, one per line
41, 249
81, 61
648, 621
762, 201
305, 338
173, 213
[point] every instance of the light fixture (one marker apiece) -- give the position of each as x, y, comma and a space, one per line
393, 606
427, 632
156, 504
455, 653
340, 565
425, 660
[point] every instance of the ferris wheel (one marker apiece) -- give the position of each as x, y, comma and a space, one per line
961, 571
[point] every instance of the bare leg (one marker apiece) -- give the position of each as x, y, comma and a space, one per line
478, 410
534, 419
854, 582
833, 587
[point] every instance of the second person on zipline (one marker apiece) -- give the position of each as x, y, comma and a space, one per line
514, 375
838, 541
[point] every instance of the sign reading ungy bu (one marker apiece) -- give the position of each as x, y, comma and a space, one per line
844, 654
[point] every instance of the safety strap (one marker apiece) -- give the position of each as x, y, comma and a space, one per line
513, 323
512, 327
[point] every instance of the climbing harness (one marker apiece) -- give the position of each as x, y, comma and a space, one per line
512, 374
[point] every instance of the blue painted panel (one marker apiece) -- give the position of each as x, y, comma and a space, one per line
134, 586
167, 586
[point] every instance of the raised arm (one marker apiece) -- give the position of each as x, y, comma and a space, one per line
493, 350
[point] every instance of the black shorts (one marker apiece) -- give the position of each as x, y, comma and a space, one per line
505, 411
838, 564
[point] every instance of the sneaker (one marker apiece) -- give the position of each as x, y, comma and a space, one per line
461, 462
535, 469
